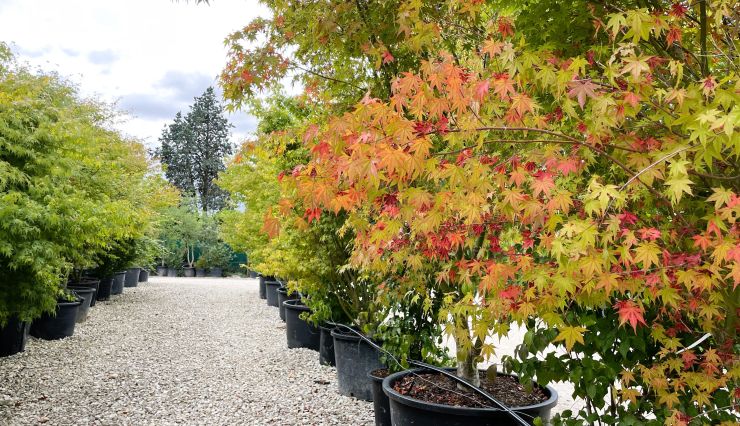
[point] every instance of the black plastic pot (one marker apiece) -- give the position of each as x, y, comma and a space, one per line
118, 280
263, 289
132, 277
171, 272
409, 411
161, 271
381, 403
326, 346
144, 276
13, 337
300, 333
200, 272
282, 295
59, 326
253, 274
354, 359
216, 272
271, 288
89, 283
105, 288
189, 272
86, 293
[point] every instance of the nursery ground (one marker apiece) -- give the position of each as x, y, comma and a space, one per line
175, 351
180, 351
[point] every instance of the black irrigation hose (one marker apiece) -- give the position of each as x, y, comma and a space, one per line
442, 371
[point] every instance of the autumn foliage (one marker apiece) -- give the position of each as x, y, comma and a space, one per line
591, 198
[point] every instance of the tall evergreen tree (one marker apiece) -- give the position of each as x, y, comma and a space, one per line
193, 150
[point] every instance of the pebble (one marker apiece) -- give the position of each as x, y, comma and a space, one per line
175, 351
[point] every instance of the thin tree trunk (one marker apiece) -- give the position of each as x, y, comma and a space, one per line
467, 354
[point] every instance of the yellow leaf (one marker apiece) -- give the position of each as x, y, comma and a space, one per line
571, 336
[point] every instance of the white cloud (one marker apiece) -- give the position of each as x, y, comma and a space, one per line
150, 56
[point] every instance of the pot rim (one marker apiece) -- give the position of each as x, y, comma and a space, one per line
66, 304
277, 283
376, 378
449, 409
296, 305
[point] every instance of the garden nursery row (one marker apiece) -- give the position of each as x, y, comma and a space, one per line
451, 174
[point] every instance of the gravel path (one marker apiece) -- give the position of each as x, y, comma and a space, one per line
175, 351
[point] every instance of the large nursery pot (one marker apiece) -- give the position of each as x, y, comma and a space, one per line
271, 288
13, 337
189, 272
300, 333
326, 345
354, 358
171, 272
216, 272
282, 295
144, 276
263, 289
381, 403
406, 410
132, 277
59, 326
200, 272
105, 288
89, 283
118, 280
161, 271
87, 294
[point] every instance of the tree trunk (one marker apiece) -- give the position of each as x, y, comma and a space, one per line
467, 365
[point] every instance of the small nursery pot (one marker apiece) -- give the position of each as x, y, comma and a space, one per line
171, 272
299, 332
161, 271
189, 272
200, 272
282, 295
13, 337
381, 403
263, 287
410, 411
271, 288
216, 272
144, 276
132, 277
87, 294
326, 345
105, 288
59, 326
118, 280
354, 358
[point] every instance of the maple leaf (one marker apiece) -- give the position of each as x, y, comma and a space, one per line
650, 234
481, 89
582, 91
636, 66
522, 103
312, 214
311, 133
543, 183
322, 149
503, 87
571, 336
492, 47
632, 99
630, 313
387, 57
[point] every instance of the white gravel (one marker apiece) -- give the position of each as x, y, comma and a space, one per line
175, 351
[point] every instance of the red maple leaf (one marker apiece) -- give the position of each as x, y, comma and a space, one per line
481, 89
582, 91
312, 214
387, 57
510, 293
650, 234
321, 149
629, 312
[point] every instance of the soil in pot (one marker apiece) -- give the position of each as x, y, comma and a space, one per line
354, 359
189, 272
132, 277
171, 272
118, 280
13, 337
105, 288
144, 276
421, 397
271, 288
282, 295
263, 289
216, 272
87, 294
59, 326
326, 346
299, 332
381, 404
200, 272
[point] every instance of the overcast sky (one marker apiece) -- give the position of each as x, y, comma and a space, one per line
150, 56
